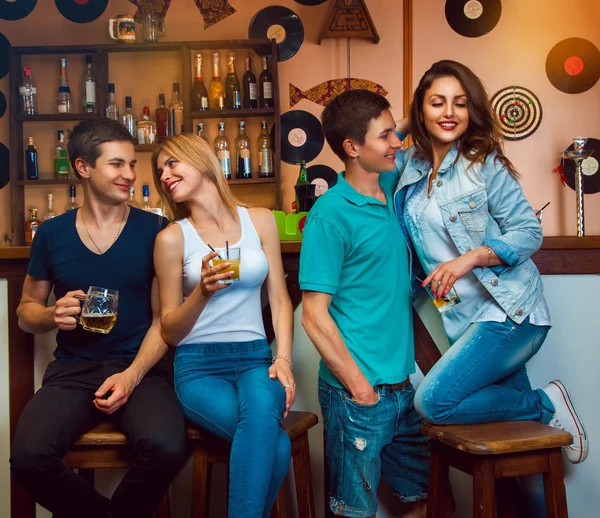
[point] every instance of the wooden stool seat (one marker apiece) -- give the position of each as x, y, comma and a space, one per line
208, 451
492, 452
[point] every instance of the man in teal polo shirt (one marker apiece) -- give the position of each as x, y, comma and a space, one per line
357, 310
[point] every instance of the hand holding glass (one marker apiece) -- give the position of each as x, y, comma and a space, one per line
234, 257
99, 310
446, 302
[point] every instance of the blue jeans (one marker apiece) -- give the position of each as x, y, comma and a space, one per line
482, 377
366, 442
225, 389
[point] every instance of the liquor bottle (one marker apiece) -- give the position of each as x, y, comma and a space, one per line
89, 87
216, 90
64, 99
61, 157
233, 94
250, 91
28, 94
49, 214
131, 201
242, 150
265, 153
266, 86
112, 110
201, 131
162, 119
31, 226
31, 160
72, 203
146, 129
222, 150
302, 180
146, 205
129, 119
199, 94
176, 112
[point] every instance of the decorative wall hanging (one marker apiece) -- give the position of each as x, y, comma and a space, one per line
281, 24
573, 65
301, 137
323, 176
4, 165
323, 93
2, 104
519, 112
158, 7
212, 11
310, 2
473, 18
81, 11
4, 55
349, 19
589, 168
16, 9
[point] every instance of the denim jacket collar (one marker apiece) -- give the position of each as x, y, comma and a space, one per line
421, 167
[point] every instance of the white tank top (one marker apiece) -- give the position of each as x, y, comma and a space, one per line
235, 313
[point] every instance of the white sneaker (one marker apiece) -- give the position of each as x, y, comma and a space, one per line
566, 418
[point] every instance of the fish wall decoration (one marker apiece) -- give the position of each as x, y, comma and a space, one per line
212, 11
324, 92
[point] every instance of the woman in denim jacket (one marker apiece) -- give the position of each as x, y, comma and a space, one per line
472, 229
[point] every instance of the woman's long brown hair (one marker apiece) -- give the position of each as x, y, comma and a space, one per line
197, 153
482, 137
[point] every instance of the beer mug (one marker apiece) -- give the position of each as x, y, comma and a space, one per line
125, 25
99, 310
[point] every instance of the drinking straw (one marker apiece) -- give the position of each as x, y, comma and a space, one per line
542, 208
214, 250
227, 248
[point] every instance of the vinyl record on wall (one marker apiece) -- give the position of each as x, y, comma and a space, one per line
16, 9
2, 104
4, 55
301, 137
281, 24
473, 18
4, 165
519, 112
590, 167
310, 2
81, 11
573, 65
323, 176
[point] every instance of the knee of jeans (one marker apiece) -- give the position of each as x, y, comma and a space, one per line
430, 404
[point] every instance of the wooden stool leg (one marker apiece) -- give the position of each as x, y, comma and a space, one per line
164, 507
278, 510
554, 486
483, 489
200, 483
438, 483
506, 489
303, 476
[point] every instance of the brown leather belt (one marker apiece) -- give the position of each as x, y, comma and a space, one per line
399, 386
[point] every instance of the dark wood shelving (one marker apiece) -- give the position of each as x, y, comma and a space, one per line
228, 114
250, 181
56, 117
70, 181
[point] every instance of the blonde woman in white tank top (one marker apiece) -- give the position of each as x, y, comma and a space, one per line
225, 377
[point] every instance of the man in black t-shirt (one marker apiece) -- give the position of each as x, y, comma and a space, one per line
120, 376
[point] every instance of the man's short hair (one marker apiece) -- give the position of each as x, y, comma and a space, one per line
348, 116
85, 139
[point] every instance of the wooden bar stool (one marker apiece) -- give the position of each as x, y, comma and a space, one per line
105, 447
491, 452
208, 451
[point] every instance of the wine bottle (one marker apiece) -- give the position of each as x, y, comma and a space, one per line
242, 150
250, 90
265, 153
199, 94
222, 150
216, 90
233, 94
31, 160
176, 112
266, 86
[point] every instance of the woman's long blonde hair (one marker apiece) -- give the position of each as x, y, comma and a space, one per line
197, 153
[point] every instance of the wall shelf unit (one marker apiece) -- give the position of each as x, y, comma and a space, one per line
100, 63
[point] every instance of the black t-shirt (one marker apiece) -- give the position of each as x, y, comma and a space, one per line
58, 255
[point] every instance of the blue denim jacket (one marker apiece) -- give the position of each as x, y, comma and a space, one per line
483, 205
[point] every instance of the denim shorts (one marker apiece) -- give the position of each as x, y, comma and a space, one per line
366, 442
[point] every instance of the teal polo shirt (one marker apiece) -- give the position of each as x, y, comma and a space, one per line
353, 249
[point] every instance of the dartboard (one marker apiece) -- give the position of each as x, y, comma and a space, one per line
519, 112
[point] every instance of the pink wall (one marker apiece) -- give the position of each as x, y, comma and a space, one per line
513, 53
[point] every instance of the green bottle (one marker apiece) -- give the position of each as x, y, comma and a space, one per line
61, 158
302, 180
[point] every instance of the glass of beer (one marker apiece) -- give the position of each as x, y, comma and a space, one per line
99, 311
233, 256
